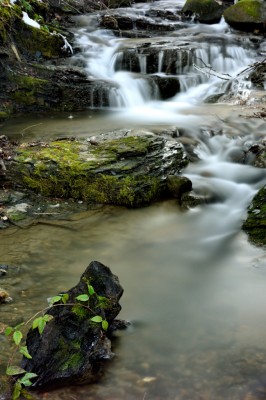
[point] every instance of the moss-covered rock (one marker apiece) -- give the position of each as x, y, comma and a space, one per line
74, 347
29, 90
205, 11
125, 170
247, 15
31, 41
255, 224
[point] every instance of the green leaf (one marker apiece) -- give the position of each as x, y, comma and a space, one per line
8, 330
30, 375
47, 317
83, 297
25, 380
97, 318
41, 325
65, 297
36, 322
17, 336
91, 290
14, 370
105, 325
55, 299
24, 350
16, 391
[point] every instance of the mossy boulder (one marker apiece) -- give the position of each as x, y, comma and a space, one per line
255, 224
73, 348
247, 15
36, 43
205, 11
117, 168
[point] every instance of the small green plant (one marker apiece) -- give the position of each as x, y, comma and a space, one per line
22, 377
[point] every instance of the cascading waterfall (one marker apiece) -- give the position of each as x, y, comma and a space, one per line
103, 53
204, 68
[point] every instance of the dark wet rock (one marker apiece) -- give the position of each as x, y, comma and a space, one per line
192, 199
204, 11
57, 88
256, 154
255, 224
153, 59
178, 185
125, 167
258, 76
119, 22
247, 15
72, 349
168, 86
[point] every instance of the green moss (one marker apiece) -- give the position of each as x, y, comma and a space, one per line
255, 224
245, 11
69, 354
79, 311
70, 169
27, 82
3, 115
73, 361
8, 16
28, 89
32, 40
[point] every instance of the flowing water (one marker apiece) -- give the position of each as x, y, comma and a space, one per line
194, 285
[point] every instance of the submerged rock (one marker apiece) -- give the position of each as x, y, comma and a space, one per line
120, 168
72, 349
178, 185
255, 224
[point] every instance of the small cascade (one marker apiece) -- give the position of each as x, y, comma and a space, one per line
143, 63
230, 185
160, 61
207, 60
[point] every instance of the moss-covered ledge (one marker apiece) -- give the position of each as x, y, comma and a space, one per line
128, 170
255, 224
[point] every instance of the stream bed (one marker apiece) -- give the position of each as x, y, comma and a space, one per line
194, 285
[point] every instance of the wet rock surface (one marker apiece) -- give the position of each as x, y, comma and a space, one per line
121, 168
247, 15
72, 349
255, 224
204, 11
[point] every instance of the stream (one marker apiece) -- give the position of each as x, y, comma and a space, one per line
194, 285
